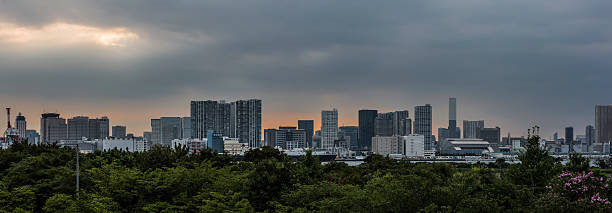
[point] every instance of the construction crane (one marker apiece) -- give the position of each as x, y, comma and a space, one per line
11, 135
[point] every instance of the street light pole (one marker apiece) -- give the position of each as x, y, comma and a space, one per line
77, 172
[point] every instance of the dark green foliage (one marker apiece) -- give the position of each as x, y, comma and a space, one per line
41, 179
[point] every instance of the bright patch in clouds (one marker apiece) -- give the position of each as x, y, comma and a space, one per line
65, 33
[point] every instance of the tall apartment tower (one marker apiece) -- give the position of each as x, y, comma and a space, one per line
589, 134
119, 131
383, 125
155, 131
569, 138
52, 128
603, 123
329, 128
78, 127
99, 128
423, 124
402, 125
170, 129
20, 121
367, 126
308, 126
471, 129
453, 130
186, 127
245, 121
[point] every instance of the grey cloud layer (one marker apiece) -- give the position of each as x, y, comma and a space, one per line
551, 57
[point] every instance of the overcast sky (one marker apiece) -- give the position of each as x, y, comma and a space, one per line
513, 64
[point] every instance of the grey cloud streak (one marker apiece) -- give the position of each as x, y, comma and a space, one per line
513, 63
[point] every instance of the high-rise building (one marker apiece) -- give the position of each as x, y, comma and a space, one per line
351, 133
367, 127
423, 124
210, 115
286, 138
402, 124
308, 126
442, 134
119, 131
78, 127
471, 129
329, 128
20, 121
170, 130
589, 134
99, 128
245, 121
32, 136
155, 131
147, 136
569, 138
52, 128
186, 127
603, 123
383, 125
453, 130
491, 135
215, 141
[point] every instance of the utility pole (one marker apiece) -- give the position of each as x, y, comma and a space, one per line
77, 172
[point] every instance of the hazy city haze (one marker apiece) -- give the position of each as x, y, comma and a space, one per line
513, 64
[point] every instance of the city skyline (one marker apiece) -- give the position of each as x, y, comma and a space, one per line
133, 61
345, 119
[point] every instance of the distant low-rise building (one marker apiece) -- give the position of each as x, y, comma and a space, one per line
386, 145
465, 146
233, 146
414, 146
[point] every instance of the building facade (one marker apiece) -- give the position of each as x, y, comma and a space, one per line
414, 146
603, 123
308, 127
387, 145
352, 134
286, 138
453, 130
423, 124
367, 127
471, 129
383, 124
52, 128
329, 128
21, 125
246, 119
119, 131
491, 135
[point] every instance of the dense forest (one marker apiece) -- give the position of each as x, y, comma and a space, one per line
42, 179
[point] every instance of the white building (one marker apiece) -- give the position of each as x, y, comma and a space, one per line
233, 146
414, 145
387, 145
329, 128
465, 146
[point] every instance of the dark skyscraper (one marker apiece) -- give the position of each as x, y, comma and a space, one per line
442, 134
569, 135
491, 135
119, 131
246, 121
589, 134
352, 132
471, 129
308, 126
78, 127
383, 125
367, 124
453, 130
402, 125
422, 124
603, 123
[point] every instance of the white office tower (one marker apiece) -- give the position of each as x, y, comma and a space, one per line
329, 128
414, 146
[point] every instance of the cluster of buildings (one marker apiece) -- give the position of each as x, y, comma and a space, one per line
234, 127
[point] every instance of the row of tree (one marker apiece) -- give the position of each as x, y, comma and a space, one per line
41, 178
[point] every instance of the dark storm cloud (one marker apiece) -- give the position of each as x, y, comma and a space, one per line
550, 58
